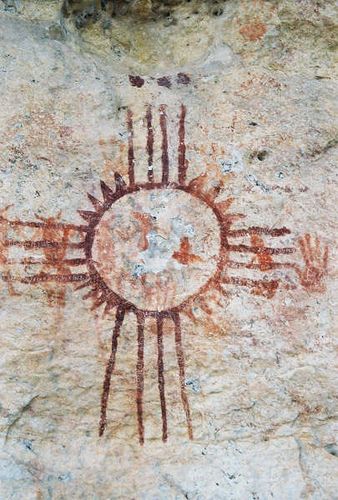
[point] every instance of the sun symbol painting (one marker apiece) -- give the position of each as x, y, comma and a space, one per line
153, 248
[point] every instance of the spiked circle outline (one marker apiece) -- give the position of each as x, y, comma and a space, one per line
111, 297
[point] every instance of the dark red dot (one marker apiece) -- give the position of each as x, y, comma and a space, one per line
136, 81
164, 81
183, 79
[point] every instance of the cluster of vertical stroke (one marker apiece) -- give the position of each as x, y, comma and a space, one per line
182, 162
160, 317
141, 315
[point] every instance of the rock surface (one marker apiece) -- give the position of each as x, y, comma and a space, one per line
211, 128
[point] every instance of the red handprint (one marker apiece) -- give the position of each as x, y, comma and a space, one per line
315, 257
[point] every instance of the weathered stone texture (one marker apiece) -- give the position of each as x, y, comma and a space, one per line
258, 82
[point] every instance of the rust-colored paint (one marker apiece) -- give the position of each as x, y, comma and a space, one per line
258, 84
145, 226
140, 375
113, 153
210, 154
207, 188
184, 254
55, 257
201, 189
253, 31
38, 128
54, 239
263, 258
4, 255
316, 263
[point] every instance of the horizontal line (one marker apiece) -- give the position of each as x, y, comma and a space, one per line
233, 280
259, 250
44, 225
249, 265
62, 278
52, 262
259, 230
232, 215
40, 244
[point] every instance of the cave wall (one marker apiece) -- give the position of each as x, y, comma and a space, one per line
167, 250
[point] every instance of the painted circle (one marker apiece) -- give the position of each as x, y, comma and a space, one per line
157, 248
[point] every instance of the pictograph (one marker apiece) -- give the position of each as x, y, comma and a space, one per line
151, 249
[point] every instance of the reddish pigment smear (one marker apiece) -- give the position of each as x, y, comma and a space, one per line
136, 81
164, 81
183, 78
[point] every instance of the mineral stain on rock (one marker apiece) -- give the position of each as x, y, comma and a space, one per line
253, 31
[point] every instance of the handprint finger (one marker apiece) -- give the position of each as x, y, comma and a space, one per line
325, 258
317, 245
318, 251
304, 252
309, 246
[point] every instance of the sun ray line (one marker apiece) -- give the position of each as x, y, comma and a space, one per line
119, 182
97, 303
88, 216
182, 162
44, 278
95, 202
140, 375
165, 156
108, 307
44, 225
205, 308
259, 230
150, 144
40, 244
236, 280
107, 193
181, 367
230, 217
84, 285
51, 262
92, 294
131, 156
258, 250
265, 288
250, 265
110, 368
160, 372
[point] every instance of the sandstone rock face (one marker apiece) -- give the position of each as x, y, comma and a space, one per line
167, 250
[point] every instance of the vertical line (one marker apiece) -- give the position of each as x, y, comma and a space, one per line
140, 375
182, 164
110, 368
160, 367
165, 157
131, 158
150, 144
181, 367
